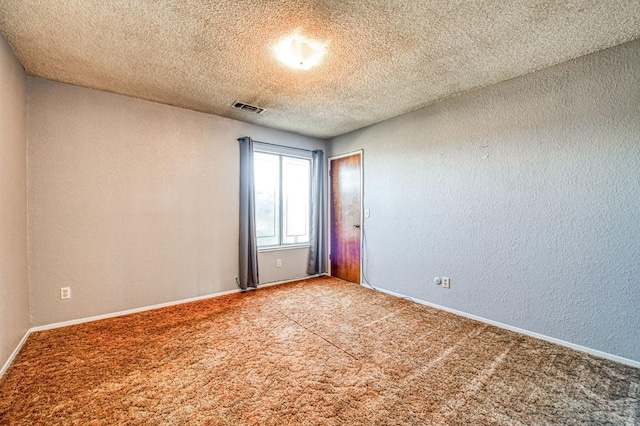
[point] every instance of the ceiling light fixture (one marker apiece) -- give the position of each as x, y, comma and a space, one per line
300, 52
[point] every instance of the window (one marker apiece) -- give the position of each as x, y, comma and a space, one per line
282, 187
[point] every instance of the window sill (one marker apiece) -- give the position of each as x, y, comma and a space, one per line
281, 248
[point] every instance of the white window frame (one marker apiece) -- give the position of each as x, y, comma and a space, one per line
291, 153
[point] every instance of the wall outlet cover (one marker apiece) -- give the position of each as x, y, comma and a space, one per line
65, 292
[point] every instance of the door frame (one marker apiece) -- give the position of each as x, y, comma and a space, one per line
359, 152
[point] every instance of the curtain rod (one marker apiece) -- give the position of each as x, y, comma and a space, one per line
287, 147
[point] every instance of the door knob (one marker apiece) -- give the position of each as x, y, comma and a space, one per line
356, 226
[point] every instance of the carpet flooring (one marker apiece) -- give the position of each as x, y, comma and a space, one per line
313, 352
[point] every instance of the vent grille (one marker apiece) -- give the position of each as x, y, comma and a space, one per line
248, 107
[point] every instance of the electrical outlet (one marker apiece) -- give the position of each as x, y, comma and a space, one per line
65, 293
446, 282
279, 263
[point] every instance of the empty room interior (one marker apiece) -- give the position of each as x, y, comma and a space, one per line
319, 212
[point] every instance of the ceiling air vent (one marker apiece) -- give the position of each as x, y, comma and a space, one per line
248, 107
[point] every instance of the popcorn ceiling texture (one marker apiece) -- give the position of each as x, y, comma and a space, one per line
385, 58
316, 352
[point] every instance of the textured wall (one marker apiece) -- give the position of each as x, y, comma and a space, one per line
526, 194
14, 281
294, 264
131, 203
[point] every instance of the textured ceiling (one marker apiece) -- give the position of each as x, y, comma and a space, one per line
384, 57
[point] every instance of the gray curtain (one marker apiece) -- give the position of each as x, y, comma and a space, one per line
317, 250
248, 267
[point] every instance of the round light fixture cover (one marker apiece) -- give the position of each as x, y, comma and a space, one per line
300, 52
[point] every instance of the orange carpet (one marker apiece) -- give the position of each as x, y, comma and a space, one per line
314, 352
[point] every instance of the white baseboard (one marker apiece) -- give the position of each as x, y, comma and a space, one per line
580, 348
127, 312
15, 352
130, 311
105, 316
590, 351
289, 281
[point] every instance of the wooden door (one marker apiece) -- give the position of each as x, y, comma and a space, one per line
345, 210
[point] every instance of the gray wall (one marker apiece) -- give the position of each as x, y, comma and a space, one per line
293, 264
14, 281
526, 194
132, 203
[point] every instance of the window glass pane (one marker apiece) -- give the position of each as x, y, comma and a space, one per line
267, 188
274, 173
295, 200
